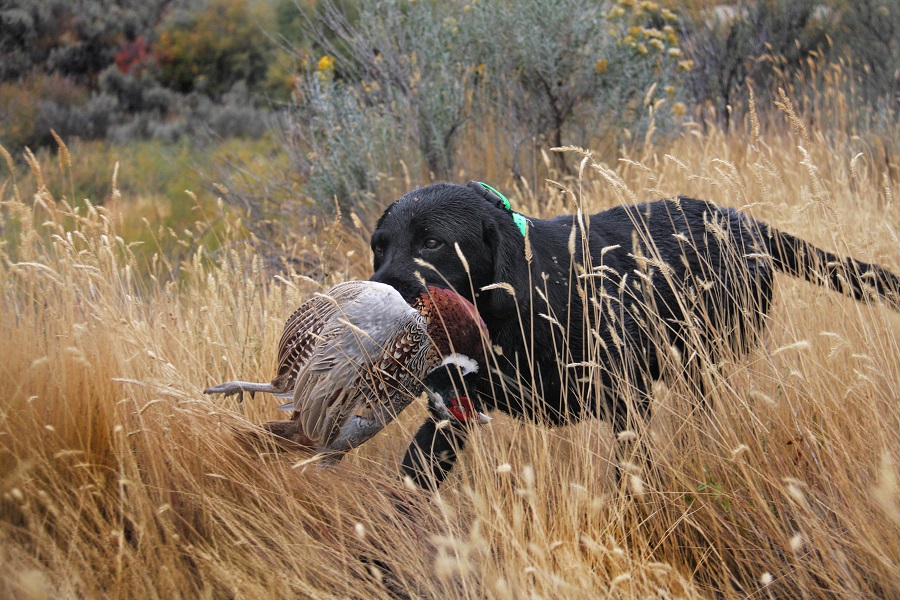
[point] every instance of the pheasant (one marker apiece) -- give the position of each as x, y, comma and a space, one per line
354, 358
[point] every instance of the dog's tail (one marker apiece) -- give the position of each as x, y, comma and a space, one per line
847, 275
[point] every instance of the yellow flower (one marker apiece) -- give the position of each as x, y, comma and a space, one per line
670, 90
679, 109
601, 66
635, 30
642, 49
673, 39
676, 52
686, 65
668, 15
655, 43
326, 63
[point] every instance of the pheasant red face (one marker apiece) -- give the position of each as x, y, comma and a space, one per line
462, 408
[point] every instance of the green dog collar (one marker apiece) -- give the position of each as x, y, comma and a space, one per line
520, 220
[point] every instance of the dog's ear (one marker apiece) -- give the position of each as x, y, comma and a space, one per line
506, 251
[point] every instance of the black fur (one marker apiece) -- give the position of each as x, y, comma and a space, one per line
674, 274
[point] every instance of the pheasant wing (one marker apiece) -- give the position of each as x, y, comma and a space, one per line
303, 330
355, 367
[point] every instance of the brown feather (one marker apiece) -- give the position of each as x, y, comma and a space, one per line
303, 329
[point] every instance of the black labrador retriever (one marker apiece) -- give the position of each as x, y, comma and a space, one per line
585, 312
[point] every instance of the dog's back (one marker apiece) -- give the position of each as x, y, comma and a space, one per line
674, 274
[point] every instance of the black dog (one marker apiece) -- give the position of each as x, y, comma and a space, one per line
586, 313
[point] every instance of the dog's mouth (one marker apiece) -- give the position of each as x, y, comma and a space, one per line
411, 290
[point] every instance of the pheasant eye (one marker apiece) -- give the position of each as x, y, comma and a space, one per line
432, 244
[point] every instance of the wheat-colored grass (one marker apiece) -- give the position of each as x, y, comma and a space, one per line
118, 478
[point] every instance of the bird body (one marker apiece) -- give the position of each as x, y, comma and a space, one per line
354, 358
364, 367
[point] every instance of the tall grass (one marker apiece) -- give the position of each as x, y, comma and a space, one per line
120, 479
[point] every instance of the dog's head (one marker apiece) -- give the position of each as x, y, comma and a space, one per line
448, 236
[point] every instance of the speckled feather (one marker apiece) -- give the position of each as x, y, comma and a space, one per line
367, 362
303, 328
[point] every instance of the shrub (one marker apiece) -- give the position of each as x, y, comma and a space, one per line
74, 38
137, 91
423, 76
866, 36
339, 142
88, 121
405, 60
570, 71
211, 50
767, 42
236, 116
32, 107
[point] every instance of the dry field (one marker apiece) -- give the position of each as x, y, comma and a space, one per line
120, 479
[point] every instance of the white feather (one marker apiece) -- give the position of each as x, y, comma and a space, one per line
466, 365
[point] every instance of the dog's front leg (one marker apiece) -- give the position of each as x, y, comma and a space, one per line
433, 452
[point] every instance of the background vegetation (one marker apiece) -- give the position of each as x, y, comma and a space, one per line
147, 252
355, 99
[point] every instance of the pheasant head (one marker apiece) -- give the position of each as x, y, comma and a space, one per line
457, 357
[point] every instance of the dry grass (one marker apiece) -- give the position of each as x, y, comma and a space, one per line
120, 479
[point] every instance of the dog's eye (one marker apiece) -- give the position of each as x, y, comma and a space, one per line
431, 243
377, 249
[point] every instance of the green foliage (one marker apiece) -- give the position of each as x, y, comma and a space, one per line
567, 71
213, 49
412, 79
29, 109
75, 38
716, 490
